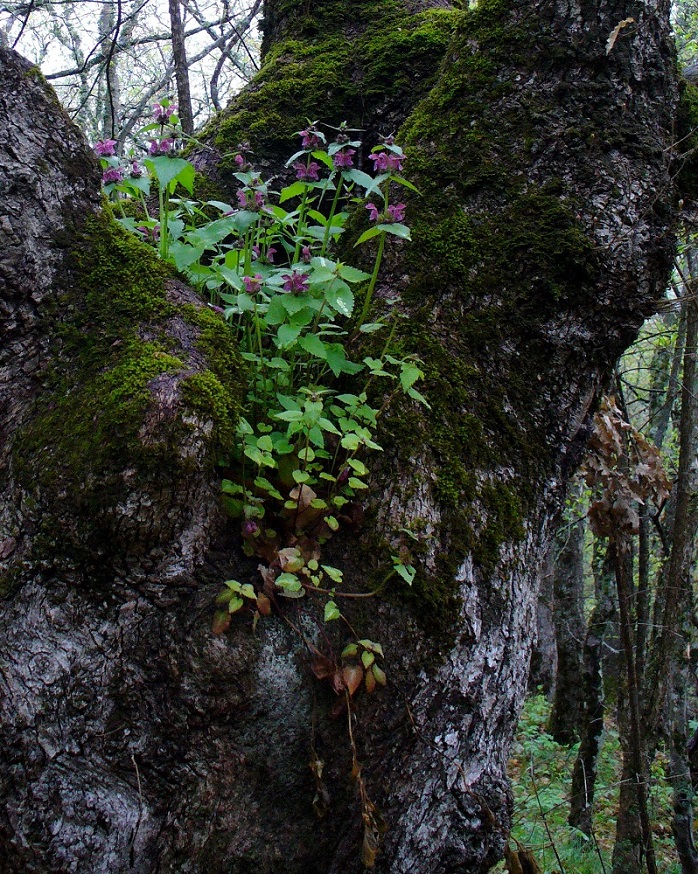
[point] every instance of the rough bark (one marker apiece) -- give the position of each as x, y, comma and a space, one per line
565, 717
541, 675
134, 740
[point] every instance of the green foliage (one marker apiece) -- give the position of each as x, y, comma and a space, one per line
540, 770
294, 473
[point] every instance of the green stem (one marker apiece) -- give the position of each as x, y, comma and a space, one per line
326, 237
372, 283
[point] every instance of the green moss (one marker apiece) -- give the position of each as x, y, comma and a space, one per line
687, 137
499, 252
113, 335
332, 73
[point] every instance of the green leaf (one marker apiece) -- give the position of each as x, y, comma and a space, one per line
168, 170
405, 183
254, 455
264, 484
351, 274
312, 344
333, 573
235, 604
288, 582
289, 415
332, 523
406, 571
300, 476
355, 483
248, 591
369, 234
328, 426
358, 466
318, 504
296, 189
306, 454
331, 611
367, 658
340, 297
409, 374
288, 334
361, 178
231, 488
351, 649
265, 443
396, 230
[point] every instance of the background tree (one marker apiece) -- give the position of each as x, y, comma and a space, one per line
542, 238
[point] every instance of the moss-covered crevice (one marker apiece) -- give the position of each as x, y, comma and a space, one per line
137, 371
333, 67
687, 143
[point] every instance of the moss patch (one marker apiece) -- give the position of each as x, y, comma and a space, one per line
114, 336
323, 69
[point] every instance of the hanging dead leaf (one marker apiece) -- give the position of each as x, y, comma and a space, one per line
263, 604
221, 621
353, 676
616, 31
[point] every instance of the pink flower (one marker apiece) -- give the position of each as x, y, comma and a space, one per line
380, 161
296, 283
306, 173
161, 147
105, 148
343, 160
253, 284
151, 235
396, 212
374, 215
310, 138
395, 162
113, 174
136, 171
162, 114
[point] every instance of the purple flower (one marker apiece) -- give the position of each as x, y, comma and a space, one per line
240, 161
396, 212
249, 528
151, 235
395, 162
387, 161
253, 284
296, 283
252, 200
306, 254
343, 160
373, 212
105, 148
271, 251
343, 476
380, 161
310, 138
162, 114
112, 174
162, 147
136, 171
306, 173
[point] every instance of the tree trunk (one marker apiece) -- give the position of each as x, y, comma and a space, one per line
593, 705
179, 56
131, 738
565, 718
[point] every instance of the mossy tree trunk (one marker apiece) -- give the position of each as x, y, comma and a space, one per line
131, 738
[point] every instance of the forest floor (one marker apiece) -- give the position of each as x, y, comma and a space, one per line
541, 770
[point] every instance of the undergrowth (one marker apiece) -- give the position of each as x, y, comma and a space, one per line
540, 770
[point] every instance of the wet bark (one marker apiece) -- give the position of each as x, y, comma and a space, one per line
134, 740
